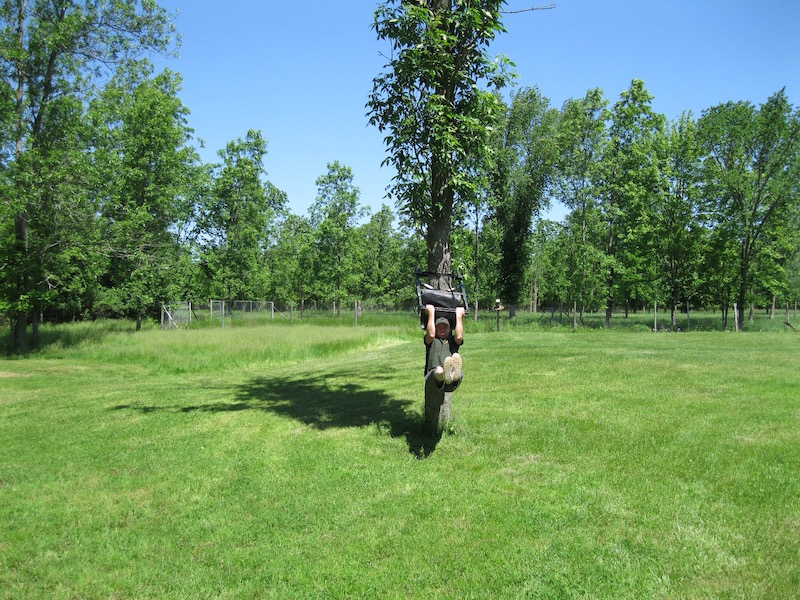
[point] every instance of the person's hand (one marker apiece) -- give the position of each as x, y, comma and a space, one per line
460, 311
430, 308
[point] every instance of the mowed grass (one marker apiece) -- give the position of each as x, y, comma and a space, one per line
289, 462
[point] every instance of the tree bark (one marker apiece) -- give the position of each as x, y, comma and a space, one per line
19, 318
438, 407
477, 245
437, 402
744, 270
438, 243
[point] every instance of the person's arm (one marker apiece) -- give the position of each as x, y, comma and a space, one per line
458, 332
430, 327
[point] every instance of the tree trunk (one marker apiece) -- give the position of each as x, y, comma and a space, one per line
437, 403
477, 247
19, 317
20, 331
530, 298
610, 299
439, 225
38, 318
438, 407
743, 272
438, 243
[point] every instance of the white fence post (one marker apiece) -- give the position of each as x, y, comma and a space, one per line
655, 316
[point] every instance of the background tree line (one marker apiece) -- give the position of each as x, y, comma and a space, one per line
108, 210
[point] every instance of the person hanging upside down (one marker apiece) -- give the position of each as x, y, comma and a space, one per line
442, 360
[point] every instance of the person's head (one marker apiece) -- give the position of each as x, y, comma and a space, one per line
442, 327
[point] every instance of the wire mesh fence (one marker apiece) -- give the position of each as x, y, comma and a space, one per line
244, 313
215, 312
240, 313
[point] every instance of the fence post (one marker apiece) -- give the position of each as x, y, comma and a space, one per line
655, 315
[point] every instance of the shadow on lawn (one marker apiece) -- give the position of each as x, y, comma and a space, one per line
323, 403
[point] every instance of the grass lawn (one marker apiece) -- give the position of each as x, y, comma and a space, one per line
288, 462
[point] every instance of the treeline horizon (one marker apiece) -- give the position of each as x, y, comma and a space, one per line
109, 210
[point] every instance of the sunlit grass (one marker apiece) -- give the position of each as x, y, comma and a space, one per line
286, 461
192, 350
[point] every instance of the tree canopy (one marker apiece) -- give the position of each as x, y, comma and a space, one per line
431, 103
108, 210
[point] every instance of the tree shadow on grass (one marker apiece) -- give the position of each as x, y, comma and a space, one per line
323, 402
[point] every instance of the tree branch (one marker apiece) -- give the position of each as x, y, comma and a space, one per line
531, 9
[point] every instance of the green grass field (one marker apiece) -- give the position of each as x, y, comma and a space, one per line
289, 462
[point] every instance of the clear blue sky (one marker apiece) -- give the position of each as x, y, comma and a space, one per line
301, 71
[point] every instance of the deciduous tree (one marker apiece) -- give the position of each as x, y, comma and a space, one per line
382, 259
235, 217
524, 161
334, 215
679, 240
431, 102
631, 178
582, 137
293, 256
51, 52
750, 173
144, 166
